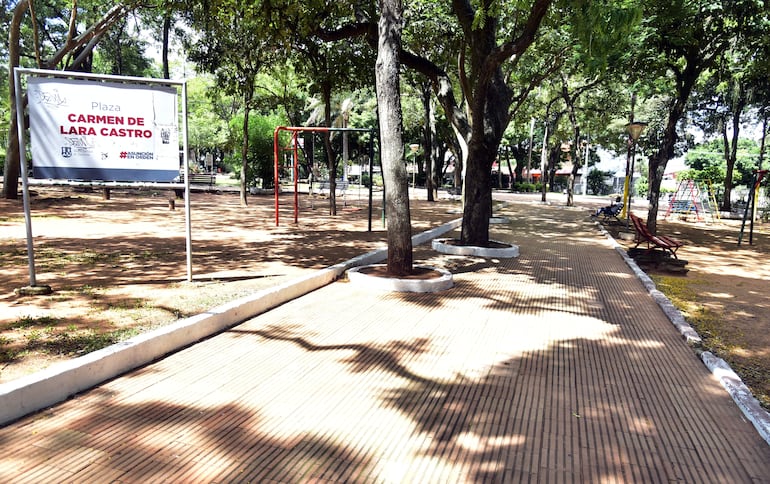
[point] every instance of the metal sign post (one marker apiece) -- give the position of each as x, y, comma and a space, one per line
33, 287
136, 129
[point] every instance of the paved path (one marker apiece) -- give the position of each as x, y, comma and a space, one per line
556, 366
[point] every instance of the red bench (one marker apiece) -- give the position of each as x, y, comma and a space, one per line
643, 235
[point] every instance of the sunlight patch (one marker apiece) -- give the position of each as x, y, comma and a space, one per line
473, 442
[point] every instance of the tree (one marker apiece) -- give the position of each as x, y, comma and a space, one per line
597, 181
121, 52
208, 112
681, 40
490, 82
482, 81
725, 94
707, 164
330, 68
488, 96
225, 47
63, 47
259, 164
391, 148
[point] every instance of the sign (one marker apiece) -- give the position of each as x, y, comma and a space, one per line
91, 130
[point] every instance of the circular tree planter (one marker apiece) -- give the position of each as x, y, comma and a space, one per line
500, 250
425, 279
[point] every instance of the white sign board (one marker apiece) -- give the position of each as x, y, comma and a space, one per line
91, 130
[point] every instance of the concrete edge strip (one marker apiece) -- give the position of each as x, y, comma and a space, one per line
55, 384
740, 393
732, 383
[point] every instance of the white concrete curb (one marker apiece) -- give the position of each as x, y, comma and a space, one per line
396, 284
442, 246
718, 367
59, 382
740, 393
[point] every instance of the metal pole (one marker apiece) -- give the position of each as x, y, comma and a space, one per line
543, 156
24, 178
371, 177
187, 210
585, 167
629, 174
529, 156
296, 176
275, 170
630, 183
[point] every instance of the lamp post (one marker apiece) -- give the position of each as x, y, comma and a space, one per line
635, 129
414, 147
586, 148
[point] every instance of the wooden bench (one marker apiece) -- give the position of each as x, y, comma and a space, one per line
643, 235
209, 179
611, 213
683, 206
340, 187
202, 178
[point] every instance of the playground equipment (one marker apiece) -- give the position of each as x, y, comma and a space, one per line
751, 206
294, 148
689, 198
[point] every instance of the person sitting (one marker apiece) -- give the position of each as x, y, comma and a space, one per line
611, 210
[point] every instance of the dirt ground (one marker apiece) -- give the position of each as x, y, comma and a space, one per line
118, 267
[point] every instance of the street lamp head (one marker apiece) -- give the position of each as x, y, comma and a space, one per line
635, 129
414, 147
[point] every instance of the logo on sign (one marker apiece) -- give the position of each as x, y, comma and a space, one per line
165, 135
66, 151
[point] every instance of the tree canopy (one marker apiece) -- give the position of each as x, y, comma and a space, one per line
572, 66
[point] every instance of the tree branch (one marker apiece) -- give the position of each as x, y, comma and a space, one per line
525, 39
465, 14
114, 14
359, 29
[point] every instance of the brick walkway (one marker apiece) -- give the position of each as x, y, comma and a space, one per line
556, 366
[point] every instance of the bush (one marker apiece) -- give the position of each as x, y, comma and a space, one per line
597, 182
525, 187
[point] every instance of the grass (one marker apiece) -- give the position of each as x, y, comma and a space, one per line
53, 259
110, 320
43, 335
65, 343
717, 338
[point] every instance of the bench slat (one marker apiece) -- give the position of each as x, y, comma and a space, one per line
643, 235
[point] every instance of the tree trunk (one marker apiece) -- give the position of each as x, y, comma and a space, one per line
730, 165
164, 53
570, 100
489, 111
544, 162
478, 196
83, 43
428, 142
331, 158
659, 160
394, 170
437, 153
762, 141
731, 148
247, 97
12, 168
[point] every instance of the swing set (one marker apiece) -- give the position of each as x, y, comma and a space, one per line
690, 198
294, 149
750, 211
